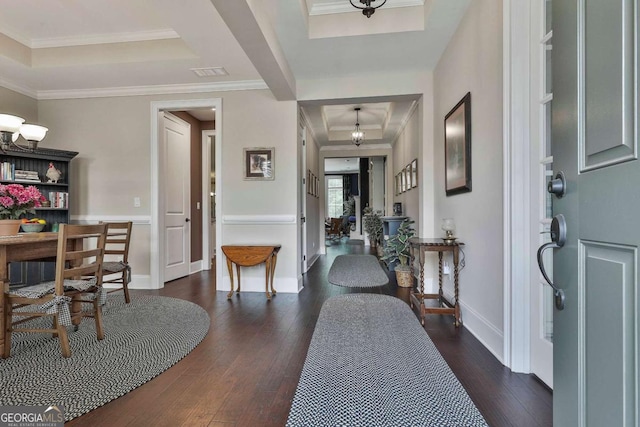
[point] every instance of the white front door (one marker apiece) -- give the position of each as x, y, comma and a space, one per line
595, 144
175, 186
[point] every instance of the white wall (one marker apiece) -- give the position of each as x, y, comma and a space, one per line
405, 149
112, 136
473, 63
16, 104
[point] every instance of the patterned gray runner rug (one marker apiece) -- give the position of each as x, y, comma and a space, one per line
371, 364
357, 271
142, 339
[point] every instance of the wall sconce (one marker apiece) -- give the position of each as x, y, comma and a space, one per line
11, 127
449, 226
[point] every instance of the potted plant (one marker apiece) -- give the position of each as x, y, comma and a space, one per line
372, 224
397, 253
16, 201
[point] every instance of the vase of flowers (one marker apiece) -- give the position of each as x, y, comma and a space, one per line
16, 201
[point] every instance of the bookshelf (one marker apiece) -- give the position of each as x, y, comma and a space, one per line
36, 164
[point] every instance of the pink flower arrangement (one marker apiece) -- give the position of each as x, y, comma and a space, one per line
16, 200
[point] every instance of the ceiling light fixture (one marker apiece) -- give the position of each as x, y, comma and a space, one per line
367, 9
11, 127
357, 136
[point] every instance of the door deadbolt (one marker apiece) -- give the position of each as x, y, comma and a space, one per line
558, 185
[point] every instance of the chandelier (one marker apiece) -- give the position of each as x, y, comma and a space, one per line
365, 6
357, 136
11, 127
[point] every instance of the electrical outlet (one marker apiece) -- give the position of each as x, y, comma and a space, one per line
136, 202
445, 268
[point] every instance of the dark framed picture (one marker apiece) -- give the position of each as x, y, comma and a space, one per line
316, 190
403, 181
397, 184
259, 163
457, 147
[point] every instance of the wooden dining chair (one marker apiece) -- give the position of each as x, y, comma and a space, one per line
78, 280
335, 232
118, 270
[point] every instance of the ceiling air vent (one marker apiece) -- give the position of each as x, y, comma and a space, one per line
210, 71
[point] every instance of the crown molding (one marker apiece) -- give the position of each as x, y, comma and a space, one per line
91, 39
17, 88
363, 147
345, 7
405, 120
152, 90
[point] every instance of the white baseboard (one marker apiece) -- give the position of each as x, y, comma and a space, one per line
195, 267
257, 284
138, 281
490, 336
311, 261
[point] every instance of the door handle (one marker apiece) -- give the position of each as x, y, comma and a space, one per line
558, 239
187, 220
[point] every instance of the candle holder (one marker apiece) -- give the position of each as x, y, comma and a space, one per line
449, 226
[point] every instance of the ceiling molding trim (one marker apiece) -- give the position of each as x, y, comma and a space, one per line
17, 88
306, 122
91, 39
345, 7
363, 147
152, 90
405, 120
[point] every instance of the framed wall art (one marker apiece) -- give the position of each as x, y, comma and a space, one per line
414, 173
407, 173
259, 164
457, 147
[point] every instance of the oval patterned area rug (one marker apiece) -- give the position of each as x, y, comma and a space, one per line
142, 340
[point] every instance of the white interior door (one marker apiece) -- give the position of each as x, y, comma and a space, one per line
302, 174
542, 170
175, 184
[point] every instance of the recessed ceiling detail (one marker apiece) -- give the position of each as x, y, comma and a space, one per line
328, 7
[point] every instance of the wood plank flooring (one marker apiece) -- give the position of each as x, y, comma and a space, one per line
245, 371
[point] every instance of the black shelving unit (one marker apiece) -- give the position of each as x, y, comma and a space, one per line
38, 160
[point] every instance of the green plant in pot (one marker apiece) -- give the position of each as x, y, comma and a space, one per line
397, 252
372, 224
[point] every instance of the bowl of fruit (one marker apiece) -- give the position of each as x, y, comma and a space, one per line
33, 225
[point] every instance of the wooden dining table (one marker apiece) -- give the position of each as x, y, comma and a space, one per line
22, 247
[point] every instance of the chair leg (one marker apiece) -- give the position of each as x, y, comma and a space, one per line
97, 316
6, 351
125, 287
64, 339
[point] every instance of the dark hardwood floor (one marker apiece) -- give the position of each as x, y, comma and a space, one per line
245, 371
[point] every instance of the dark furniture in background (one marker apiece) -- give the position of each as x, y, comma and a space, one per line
38, 160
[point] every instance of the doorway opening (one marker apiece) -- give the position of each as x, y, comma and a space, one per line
159, 242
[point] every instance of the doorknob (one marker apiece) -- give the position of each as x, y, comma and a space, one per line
558, 185
558, 239
187, 220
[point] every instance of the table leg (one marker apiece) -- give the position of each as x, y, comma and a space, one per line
456, 305
440, 277
422, 307
273, 270
267, 274
230, 268
239, 281
4, 287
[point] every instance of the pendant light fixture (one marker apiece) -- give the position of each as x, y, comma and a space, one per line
365, 6
357, 136
11, 127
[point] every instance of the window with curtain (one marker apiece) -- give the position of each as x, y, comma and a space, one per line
334, 197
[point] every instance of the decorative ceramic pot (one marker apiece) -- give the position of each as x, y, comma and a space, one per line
404, 276
9, 227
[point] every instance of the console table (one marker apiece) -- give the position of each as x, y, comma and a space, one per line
419, 247
248, 256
